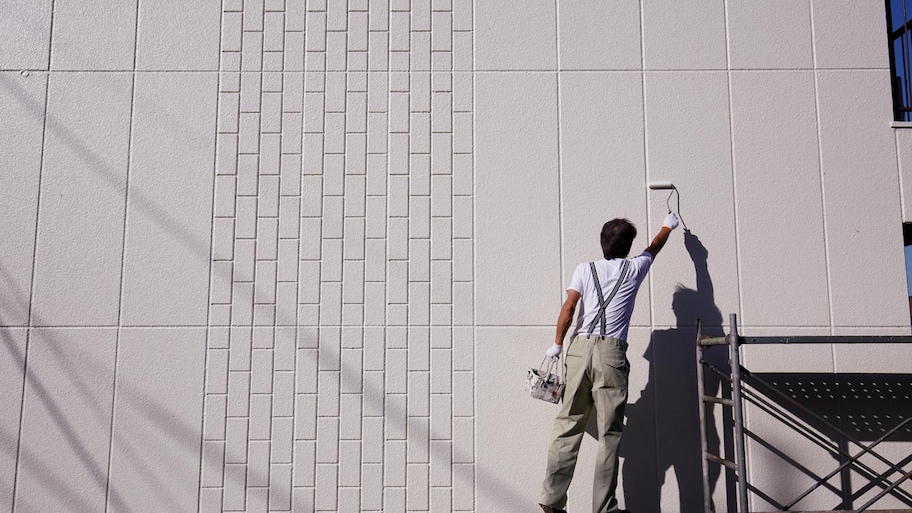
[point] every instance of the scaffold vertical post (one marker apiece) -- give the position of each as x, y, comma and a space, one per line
701, 405
738, 409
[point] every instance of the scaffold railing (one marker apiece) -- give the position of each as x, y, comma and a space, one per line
831, 410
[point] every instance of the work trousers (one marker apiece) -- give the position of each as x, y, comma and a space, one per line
597, 372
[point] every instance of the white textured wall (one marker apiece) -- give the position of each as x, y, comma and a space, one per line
277, 255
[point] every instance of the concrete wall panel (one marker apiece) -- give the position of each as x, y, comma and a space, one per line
518, 225
176, 35
850, 34
785, 357
510, 480
80, 222
770, 35
66, 425
688, 143
599, 35
601, 166
159, 404
684, 35
93, 35
25, 34
22, 126
857, 147
879, 358
777, 177
505, 41
170, 200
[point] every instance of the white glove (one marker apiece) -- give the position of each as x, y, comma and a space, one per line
671, 221
554, 352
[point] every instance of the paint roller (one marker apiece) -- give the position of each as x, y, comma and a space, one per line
668, 186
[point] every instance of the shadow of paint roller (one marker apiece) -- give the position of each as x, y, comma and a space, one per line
668, 186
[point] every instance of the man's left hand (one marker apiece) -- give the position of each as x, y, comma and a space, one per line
554, 352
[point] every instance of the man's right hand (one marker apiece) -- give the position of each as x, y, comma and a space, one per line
669, 224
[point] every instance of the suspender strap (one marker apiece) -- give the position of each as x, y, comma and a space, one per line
601, 299
603, 305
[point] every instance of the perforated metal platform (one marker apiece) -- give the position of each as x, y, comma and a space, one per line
846, 414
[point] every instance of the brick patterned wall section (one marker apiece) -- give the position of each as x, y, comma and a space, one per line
341, 310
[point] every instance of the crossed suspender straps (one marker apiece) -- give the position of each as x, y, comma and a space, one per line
603, 303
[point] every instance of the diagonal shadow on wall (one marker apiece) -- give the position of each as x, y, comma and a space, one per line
76, 375
153, 412
480, 479
92, 161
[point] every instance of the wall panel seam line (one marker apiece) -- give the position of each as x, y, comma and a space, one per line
823, 202
215, 159
28, 333
734, 174
300, 172
123, 259
734, 191
642, 70
560, 174
473, 320
655, 417
50, 45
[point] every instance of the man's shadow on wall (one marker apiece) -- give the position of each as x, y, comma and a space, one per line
662, 433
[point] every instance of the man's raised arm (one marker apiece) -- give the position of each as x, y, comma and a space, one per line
670, 223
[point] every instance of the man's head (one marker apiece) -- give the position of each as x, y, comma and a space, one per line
617, 237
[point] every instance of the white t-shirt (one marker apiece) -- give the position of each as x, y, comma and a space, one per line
617, 315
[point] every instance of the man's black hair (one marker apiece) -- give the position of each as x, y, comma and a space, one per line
617, 238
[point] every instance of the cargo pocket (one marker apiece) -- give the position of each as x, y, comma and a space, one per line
613, 355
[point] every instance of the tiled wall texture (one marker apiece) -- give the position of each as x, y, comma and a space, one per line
296, 255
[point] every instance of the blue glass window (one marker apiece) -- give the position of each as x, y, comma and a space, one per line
899, 29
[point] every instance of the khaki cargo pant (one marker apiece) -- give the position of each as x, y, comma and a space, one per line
597, 372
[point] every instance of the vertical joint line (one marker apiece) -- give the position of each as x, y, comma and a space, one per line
655, 417
646, 155
123, 260
731, 142
31, 294
51, 38
826, 244
218, 88
560, 173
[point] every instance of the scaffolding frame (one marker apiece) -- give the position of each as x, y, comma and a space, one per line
739, 393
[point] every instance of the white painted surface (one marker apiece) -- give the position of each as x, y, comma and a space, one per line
770, 35
169, 202
80, 218
22, 125
301, 259
684, 35
93, 36
25, 29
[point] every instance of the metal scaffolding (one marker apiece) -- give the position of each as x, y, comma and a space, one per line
815, 416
